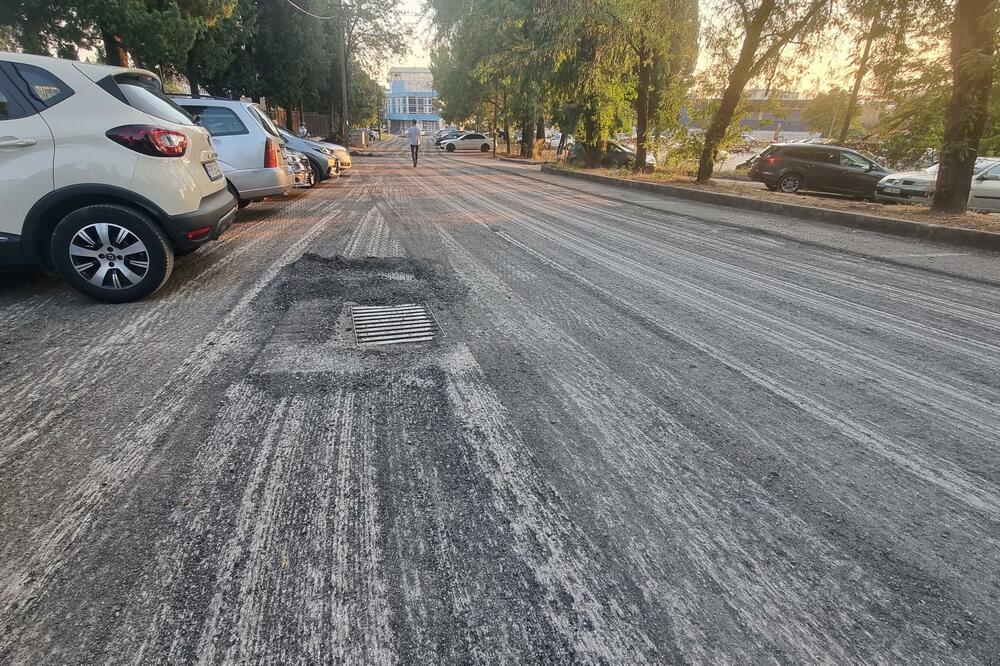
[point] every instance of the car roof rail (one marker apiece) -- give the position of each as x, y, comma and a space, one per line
190, 96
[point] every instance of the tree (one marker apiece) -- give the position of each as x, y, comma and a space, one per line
764, 28
662, 40
973, 56
826, 111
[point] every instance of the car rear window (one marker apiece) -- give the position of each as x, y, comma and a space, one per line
218, 120
264, 121
145, 94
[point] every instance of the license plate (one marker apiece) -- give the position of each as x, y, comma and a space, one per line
213, 170
891, 190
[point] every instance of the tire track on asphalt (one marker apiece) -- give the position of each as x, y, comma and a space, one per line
774, 611
54, 543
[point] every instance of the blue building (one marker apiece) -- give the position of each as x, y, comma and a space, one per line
411, 96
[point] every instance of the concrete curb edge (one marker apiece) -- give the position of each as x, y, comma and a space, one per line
981, 240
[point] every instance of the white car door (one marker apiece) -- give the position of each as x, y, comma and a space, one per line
471, 141
26, 154
985, 193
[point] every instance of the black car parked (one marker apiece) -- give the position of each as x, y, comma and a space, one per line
790, 167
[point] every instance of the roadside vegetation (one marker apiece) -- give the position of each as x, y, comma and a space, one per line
595, 69
284, 52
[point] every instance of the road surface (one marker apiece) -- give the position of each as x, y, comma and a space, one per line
642, 436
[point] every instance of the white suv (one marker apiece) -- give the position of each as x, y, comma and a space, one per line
102, 178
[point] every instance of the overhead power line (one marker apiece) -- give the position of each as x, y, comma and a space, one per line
315, 16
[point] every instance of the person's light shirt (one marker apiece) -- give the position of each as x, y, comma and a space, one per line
414, 132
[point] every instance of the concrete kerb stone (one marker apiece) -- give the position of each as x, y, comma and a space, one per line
974, 238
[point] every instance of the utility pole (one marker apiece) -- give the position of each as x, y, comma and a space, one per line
344, 136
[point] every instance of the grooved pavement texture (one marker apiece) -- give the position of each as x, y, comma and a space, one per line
641, 437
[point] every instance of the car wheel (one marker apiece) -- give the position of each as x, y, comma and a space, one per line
112, 253
485, 148
790, 182
240, 202
319, 174
450, 148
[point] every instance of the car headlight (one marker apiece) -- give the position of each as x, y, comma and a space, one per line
325, 151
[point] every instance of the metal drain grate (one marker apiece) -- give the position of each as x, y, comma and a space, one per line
395, 324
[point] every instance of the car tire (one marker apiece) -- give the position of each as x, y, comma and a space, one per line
240, 202
125, 278
485, 148
790, 183
319, 174
450, 148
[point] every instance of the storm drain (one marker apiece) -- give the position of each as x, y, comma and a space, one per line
395, 324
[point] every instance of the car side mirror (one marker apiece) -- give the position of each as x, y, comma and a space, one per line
989, 177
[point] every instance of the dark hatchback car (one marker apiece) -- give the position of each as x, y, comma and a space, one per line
454, 134
790, 167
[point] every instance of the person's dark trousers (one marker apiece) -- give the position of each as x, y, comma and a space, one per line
413, 153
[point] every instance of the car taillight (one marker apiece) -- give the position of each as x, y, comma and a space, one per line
150, 140
270, 154
772, 159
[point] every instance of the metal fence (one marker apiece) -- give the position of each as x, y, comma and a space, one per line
317, 123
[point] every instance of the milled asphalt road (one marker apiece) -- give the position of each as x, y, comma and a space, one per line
644, 436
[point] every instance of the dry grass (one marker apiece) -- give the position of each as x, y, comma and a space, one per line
912, 212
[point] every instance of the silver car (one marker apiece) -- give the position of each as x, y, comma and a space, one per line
918, 186
323, 158
248, 143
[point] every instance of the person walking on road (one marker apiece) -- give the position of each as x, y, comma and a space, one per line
414, 133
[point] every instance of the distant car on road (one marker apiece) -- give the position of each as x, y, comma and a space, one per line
248, 144
790, 167
469, 141
103, 179
918, 186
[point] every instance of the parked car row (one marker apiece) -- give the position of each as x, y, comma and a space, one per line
801, 166
452, 140
917, 186
104, 178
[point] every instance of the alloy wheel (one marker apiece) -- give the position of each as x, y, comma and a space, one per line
790, 183
109, 256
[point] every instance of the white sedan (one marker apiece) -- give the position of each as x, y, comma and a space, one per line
471, 141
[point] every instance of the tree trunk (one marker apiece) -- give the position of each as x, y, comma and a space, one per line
506, 130
540, 128
972, 48
852, 103
644, 66
493, 129
192, 75
738, 79
527, 138
115, 52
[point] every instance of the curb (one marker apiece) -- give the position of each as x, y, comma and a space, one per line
982, 240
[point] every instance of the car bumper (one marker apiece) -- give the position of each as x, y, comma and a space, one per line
11, 253
903, 196
260, 183
216, 214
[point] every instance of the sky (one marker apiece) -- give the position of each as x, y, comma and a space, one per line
419, 53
